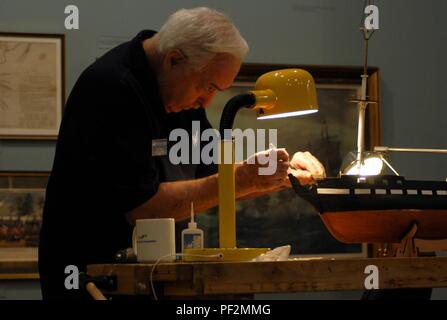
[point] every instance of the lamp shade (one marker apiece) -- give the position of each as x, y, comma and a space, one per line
285, 93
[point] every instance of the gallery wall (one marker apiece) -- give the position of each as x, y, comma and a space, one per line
408, 49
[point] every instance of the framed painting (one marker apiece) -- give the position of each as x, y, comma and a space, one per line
282, 218
22, 197
32, 85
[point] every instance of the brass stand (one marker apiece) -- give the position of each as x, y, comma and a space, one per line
410, 246
407, 248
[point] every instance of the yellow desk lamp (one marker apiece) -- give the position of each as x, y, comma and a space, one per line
277, 94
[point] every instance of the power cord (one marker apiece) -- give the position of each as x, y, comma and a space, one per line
220, 255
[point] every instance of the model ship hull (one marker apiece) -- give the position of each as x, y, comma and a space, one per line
378, 209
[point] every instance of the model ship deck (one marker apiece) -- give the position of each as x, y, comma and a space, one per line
378, 208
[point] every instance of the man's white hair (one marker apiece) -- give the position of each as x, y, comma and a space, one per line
200, 34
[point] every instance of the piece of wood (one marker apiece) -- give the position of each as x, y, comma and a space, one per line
93, 290
224, 278
126, 276
135, 278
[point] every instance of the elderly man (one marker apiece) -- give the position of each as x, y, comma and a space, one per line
105, 176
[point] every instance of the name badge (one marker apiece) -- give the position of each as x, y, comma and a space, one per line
159, 147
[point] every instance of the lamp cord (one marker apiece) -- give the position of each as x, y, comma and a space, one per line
245, 100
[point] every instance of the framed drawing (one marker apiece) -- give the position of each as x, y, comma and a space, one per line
22, 196
32, 85
282, 218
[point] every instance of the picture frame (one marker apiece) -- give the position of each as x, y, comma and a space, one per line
32, 85
283, 218
22, 196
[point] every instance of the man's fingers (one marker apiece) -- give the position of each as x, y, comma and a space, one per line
299, 161
306, 161
265, 158
317, 164
282, 155
303, 176
311, 165
282, 166
298, 173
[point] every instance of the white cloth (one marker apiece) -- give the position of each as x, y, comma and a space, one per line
277, 254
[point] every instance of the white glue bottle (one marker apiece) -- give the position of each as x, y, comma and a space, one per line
192, 237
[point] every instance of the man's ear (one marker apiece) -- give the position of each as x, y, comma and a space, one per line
173, 58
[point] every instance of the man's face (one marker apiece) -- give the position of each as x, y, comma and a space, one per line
183, 89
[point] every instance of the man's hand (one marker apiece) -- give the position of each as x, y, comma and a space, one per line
248, 179
306, 168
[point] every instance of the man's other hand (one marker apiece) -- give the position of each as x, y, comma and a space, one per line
306, 168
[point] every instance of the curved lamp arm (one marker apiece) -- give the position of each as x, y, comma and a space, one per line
245, 100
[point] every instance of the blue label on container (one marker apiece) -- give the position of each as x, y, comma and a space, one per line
192, 240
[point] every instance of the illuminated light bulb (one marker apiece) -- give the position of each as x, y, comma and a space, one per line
370, 167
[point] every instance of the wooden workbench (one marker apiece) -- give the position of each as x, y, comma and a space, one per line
212, 279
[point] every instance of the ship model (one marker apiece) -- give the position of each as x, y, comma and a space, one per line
378, 209
359, 207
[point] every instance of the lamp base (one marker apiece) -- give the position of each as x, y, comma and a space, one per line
223, 254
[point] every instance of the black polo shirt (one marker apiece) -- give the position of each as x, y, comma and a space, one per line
103, 166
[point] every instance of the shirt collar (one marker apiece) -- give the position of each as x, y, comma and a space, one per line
141, 68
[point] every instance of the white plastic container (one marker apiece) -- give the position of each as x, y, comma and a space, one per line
192, 237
